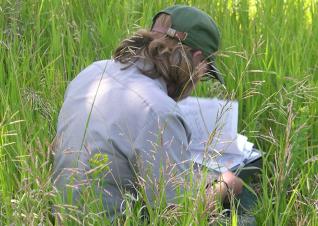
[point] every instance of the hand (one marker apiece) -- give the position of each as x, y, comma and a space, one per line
234, 183
227, 182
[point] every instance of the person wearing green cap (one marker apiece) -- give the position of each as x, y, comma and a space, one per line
120, 128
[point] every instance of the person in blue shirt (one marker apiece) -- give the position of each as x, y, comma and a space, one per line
123, 112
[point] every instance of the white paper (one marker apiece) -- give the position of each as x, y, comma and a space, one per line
215, 142
212, 118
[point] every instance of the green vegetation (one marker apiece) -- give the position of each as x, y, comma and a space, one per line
269, 59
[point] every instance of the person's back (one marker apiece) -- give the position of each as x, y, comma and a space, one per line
112, 111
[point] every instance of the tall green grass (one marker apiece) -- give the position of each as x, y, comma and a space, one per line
269, 59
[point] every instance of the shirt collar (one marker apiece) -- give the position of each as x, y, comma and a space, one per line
146, 65
161, 84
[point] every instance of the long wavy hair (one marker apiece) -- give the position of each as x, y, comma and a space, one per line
170, 59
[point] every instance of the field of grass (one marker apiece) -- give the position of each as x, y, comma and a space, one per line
269, 59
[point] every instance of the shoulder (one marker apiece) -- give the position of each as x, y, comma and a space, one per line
152, 94
128, 92
157, 108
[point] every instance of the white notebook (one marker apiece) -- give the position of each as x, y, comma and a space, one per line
215, 142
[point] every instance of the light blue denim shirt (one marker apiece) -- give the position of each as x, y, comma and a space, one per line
130, 118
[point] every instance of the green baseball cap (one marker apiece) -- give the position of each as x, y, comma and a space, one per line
196, 29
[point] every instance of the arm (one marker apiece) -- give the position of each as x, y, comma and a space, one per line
162, 156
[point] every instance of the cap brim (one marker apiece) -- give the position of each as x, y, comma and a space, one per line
214, 73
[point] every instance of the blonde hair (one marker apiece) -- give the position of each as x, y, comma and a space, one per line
171, 59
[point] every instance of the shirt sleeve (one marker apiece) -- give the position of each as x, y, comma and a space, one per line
163, 160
